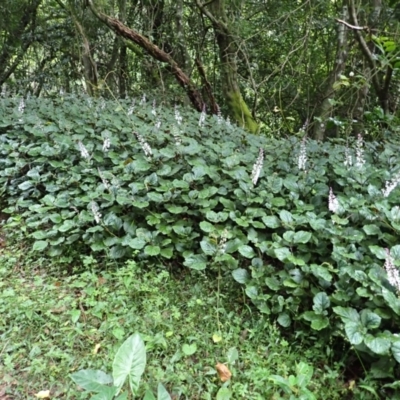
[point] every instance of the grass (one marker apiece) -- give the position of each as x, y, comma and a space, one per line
54, 323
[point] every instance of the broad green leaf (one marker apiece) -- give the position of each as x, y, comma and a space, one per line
149, 395
162, 393
241, 275
67, 225
206, 226
40, 245
196, 261
286, 217
282, 253
321, 302
392, 301
271, 221
284, 320
378, 252
371, 230
117, 251
167, 252
152, 250
273, 283
321, 271
129, 362
209, 248
304, 373
137, 243
289, 236
348, 314
232, 355
91, 380
355, 332
108, 393
369, 319
224, 394
217, 217
251, 292
379, 345
246, 251
302, 237
25, 185
189, 349
396, 350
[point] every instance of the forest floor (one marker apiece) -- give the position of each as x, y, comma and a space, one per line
54, 323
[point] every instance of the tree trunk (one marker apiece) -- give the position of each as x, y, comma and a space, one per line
326, 108
228, 59
9, 58
89, 65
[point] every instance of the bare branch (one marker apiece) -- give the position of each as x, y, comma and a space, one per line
360, 28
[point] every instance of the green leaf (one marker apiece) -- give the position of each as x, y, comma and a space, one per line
241, 275
369, 319
232, 355
167, 252
282, 253
117, 251
209, 248
371, 230
174, 209
378, 252
286, 217
304, 373
348, 314
321, 302
379, 345
40, 245
355, 332
129, 362
67, 225
108, 393
206, 226
321, 271
246, 251
137, 243
149, 395
396, 350
152, 250
302, 237
224, 394
25, 185
392, 301
196, 261
284, 320
162, 393
289, 236
271, 221
189, 349
91, 380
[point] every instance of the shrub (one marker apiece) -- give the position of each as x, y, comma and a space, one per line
303, 225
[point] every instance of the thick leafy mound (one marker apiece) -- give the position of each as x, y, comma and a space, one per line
172, 187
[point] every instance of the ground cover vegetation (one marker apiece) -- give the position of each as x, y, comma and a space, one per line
309, 229
217, 180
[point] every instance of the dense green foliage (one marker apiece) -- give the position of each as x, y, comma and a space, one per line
192, 201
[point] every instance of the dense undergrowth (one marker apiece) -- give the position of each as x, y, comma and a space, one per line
54, 324
306, 227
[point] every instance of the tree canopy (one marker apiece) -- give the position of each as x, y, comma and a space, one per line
272, 67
